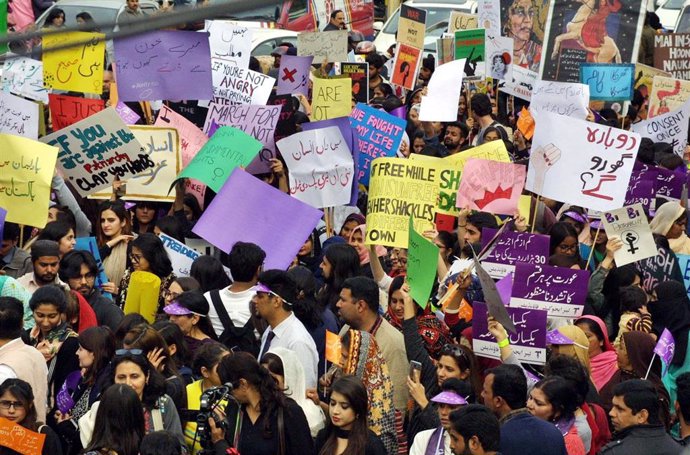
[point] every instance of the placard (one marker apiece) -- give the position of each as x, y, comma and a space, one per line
126, 114
68, 110
142, 295
331, 98
630, 225
671, 127
684, 262
331, 45
489, 17
512, 247
582, 163
26, 173
667, 95
18, 116
161, 64
528, 343
321, 170
258, 212
660, 268
558, 290
491, 186
180, 255
191, 137
77, 68
406, 66
499, 56
422, 257
443, 93
21, 439
462, 21
235, 85
24, 76
672, 54
359, 73
608, 82
95, 150
293, 75
230, 41
470, 45
411, 26
562, 98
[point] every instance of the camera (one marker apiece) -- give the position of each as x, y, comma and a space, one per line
210, 400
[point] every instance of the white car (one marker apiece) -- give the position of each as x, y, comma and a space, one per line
668, 13
683, 22
435, 12
264, 40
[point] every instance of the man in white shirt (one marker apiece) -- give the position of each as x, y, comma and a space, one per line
275, 293
45, 257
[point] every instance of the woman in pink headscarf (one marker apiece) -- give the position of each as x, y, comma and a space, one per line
602, 355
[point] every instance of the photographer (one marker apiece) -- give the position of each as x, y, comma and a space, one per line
268, 422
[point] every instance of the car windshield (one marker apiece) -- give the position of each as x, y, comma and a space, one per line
433, 16
684, 22
100, 15
266, 13
674, 4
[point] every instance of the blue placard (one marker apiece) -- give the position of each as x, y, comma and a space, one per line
608, 81
89, 244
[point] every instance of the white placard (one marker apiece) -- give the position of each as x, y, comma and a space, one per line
441, 102
181, 256
671, 127
18, 116
630, 225
235, 85
24, 76
323, 45
231, 42
562, 98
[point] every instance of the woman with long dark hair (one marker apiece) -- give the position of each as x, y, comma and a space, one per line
119, 426
60, 232
267, 422
210, 274
190, 313
347, 431
563, 239
339, 262
113, 234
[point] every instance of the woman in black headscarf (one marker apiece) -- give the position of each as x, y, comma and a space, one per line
671, 311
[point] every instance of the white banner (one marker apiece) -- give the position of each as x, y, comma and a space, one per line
24, 76
235, 85
671, 127
630, 225
562, 98
231, 42
181, 256
18, 116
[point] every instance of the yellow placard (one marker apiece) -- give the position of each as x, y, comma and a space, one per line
331, 98
142, 295
400, 188
77, 68
525, 206
26, 170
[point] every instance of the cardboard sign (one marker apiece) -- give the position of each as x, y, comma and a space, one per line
441, 102
331, 45
26, 173
558, 290
77, 68
321, 168
21, 440
126, 114
406, 66
89, 244
499, 56
528, 342
24, 76
671, 127
489, 18
411, 26
95, 150
235, 85
470, 45
608, 82
331, 98
378, 134
672, 54
512, 247
258, 212
180, 255
18, 116
630, 225
491, 186
562, 98
230, 41
359, 74
293, 75
667, 95
398, 189
227, 149
142, 295
160, 65
568, 153
422, 257
461, 21
68, 110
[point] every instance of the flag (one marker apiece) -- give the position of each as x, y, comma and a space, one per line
665, 348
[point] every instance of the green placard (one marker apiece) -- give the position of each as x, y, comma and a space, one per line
3, 24
422, 257
469, 44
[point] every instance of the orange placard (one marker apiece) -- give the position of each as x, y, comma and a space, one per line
525, 124
20, 439
333, 348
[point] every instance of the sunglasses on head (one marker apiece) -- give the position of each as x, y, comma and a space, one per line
129, 351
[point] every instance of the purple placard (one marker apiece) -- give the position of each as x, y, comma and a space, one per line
558, 290
641, 190
669, 184
512, 247
504, 286
126, 114
3, 215
343, 123
665, 348
164, 65
249, 210
528, 342
293, 75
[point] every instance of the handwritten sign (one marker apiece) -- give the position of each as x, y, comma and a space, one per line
406, 66
608, 81
489, 16
562, 98
662, 267
331, 45
20, 439
235, 85
512, 247
68, 110
76, 68
581, 162
331, 97
630, 225
411, 26
18, 116
641, 190
378, 134
528, 342
180, 255
96, 150
558, 290
421, 270
671, 127
126, 114
499, 56
258, 212
191, 137
667, 95
321, 168
491, 186
24, 76
671, 54
227, 149
293, 75
161, 65
462, 21
26, 172
230, 41
398, 189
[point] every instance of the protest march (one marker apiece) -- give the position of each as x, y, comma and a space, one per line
344, 227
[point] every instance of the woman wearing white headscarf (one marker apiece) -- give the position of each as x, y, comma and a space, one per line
670, 221
287, 370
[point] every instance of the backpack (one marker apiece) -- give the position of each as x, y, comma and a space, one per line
242, 338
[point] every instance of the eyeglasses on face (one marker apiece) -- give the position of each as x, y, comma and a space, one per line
6, 404
129, 351
136, 258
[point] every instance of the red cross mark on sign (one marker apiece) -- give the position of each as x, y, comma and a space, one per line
289, 74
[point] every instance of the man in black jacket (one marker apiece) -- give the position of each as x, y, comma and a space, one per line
635, 419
